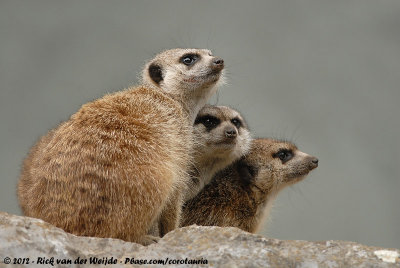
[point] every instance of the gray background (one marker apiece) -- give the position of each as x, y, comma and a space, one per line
322, 73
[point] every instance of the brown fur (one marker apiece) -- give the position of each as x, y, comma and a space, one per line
120, 162
241, 195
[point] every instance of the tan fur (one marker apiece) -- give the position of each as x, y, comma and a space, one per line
241, 195
120, 162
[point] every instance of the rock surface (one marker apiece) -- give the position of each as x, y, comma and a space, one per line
24, 239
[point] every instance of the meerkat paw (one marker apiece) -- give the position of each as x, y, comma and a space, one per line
149, 239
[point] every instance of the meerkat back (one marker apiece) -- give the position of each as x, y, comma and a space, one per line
116, 165
242, 194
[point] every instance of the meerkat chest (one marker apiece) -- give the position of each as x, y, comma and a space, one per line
263, 210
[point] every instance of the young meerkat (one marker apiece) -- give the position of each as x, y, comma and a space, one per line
121, 162
221, 136
242, 195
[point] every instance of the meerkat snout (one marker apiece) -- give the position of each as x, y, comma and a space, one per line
230, 132
313, 163
295, 164
218, 64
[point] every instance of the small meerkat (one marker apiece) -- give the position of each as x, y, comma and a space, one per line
221, 136
120, 163
242, 195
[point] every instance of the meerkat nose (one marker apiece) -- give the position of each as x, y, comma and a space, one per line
315, 161
230, 133
218, 63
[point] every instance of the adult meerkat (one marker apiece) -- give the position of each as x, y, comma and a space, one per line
242, 195
119, 164
221, 136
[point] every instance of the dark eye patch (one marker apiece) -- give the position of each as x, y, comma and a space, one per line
237, 122
284, 155
189, 59
208, 121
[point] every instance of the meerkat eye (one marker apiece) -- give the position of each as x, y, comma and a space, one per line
284, 155
208, 121
189, 59
236, 122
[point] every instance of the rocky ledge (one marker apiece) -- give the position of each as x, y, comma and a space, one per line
33, 243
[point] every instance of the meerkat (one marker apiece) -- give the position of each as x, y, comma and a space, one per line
120, 163
221, 136
242, 195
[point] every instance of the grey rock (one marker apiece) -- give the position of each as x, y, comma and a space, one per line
22, 238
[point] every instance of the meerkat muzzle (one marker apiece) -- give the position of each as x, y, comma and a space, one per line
314, 163
230, 133
217, 64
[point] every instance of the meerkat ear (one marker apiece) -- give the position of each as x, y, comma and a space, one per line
155, 73
246, 172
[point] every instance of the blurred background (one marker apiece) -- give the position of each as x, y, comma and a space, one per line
324, 74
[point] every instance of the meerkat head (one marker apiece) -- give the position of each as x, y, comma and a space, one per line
272, 165
187, 74
221, 136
